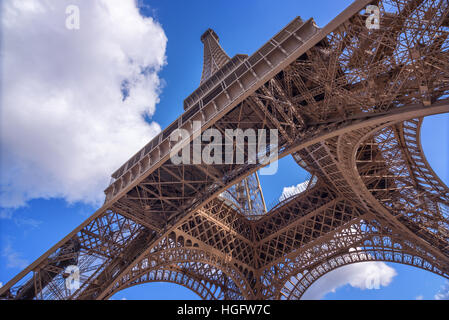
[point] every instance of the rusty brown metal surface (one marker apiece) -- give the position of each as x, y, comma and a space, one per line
348, 103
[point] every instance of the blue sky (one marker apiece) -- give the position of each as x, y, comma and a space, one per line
29, 230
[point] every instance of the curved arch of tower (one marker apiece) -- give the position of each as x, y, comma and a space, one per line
206, 280
347, 102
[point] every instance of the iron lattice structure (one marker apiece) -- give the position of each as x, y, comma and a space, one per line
348, 103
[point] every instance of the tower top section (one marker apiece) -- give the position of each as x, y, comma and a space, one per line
214, 55
209, 33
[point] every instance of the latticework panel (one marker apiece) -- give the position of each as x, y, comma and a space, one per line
347, 102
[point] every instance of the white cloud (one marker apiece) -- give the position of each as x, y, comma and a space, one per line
6, 213
65, 125
27, 222
20, 221
443, 294
420, 297
13, 258
361, 275
287, 192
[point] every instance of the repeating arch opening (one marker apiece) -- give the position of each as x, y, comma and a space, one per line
298, 283
156, 290
202, 288
204, 274
436, 151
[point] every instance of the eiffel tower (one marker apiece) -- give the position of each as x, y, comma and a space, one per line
348, 101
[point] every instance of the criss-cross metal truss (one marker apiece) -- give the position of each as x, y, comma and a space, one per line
348, 102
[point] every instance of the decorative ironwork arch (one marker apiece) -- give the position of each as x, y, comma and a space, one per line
351, 144
376, 244
308, 278
179, 260
334, 94
201, 283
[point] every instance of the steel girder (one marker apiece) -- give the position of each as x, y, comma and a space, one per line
348, 103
